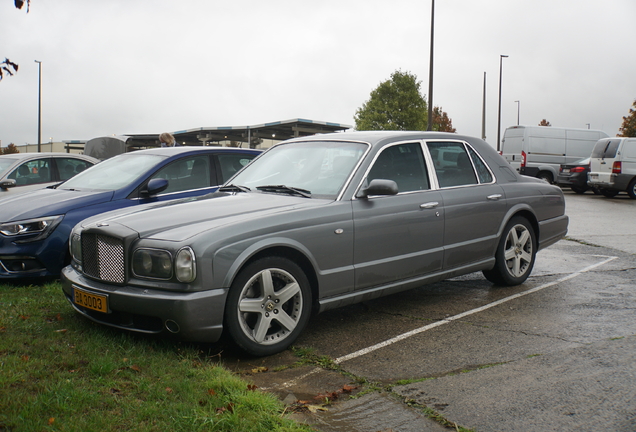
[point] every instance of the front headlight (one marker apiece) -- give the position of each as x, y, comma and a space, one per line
75, 246
185, 265
42, 226
152, 263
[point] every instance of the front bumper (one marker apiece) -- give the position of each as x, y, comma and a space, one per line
192, 316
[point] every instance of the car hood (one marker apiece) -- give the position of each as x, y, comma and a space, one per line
48, 202
180, 220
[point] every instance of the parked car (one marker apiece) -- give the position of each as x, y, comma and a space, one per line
312, 224
23, 172
613, 166
35, 226
574, 175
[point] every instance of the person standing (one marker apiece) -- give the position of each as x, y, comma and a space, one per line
167, 140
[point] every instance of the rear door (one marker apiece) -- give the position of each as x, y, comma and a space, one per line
474, 204
603, 157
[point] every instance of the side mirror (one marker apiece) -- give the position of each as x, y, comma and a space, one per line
155, 186
7, 183
378, 187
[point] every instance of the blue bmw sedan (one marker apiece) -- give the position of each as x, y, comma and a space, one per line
35, 226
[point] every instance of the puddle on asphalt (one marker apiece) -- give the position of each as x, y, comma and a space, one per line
371, 412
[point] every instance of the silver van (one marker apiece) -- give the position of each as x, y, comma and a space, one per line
613, 166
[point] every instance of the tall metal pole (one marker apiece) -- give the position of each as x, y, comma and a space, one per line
39, 105
483, 112
429, 127
499, 115
518, 110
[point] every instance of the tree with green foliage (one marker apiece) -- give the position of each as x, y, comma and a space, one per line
628, 128
396, 104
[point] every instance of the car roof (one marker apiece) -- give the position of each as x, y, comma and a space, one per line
172, 151
382, 137
19, 156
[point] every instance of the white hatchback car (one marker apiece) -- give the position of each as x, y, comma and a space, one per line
22, 172
613, 166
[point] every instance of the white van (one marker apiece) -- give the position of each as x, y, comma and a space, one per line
613, 166
537, 151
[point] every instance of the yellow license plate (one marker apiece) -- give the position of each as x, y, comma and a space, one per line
91, 301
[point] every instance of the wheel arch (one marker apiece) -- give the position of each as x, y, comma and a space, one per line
527, 214
294, 252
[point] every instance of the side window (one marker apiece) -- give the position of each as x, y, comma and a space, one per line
404, 164
452, 164
32, 172
233, 163
482, 170
68, 167
186, 174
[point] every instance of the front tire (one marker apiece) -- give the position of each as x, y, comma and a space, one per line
515, 254
268, 306
631, 189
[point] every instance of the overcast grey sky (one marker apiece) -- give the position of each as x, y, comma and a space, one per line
148, 66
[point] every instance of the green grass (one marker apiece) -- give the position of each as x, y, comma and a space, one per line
59, 371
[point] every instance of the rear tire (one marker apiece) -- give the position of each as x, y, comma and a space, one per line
515, 254
545, 176
578, 190
609, 193
631, 189
268, 306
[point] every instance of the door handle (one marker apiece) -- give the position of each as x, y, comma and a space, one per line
429, 205
494, 197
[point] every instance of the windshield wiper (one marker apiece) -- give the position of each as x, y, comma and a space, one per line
285, 189
234, 188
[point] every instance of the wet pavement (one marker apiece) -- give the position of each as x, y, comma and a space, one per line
557, 353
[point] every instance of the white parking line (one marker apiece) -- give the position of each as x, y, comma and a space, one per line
448, 320
470, 312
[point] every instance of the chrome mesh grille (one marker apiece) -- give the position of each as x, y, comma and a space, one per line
103, 257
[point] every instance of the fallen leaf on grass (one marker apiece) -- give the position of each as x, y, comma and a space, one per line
211, 392
168, 390
136, 368
24, 317
260, 369
229, 408
51, 421
25, 358
251, 387
61, 331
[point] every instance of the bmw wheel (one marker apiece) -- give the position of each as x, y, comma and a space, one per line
609, 193
268, 306
515, 254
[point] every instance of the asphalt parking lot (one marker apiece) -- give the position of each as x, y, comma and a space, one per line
557, 353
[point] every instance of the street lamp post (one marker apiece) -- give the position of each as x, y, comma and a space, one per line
429, 127
39, 105
518, 110
501, 57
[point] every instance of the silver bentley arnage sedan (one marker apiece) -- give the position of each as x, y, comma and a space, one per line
312, 224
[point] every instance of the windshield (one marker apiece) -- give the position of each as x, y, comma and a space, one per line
319, 168
5, 163
114, 173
